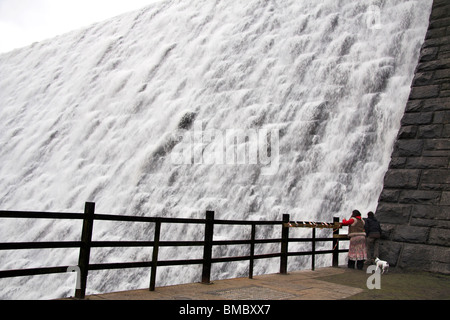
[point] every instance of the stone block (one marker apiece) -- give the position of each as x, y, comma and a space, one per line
387, 230
445, 47
414, 106
440, 12
445, 22
398, 162
390, 251
423, 78
406, 233
388, 195
444, 55
424, 92
442, 117
434, 153
437, 257
426, 162
435, 176
419, 197
435, 64
402, 178
408, 148
407, 132
413, 259
439, 237
390, 213
442, 74
440, 267
439, 3
434, 33
431, 212
430, 131
441, 254
425, 258
437, 145
444, 93
438, 104
435, 179
429, 53
445, 198
430, 223
446, 131
417, 118
435, 186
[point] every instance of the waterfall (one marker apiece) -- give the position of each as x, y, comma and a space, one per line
252, 109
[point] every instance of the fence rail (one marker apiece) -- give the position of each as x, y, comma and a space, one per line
86, 244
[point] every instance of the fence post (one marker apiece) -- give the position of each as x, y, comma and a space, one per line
155, 255
284, 245
252, 251
313, 250
207, 248
85, 249
335, 244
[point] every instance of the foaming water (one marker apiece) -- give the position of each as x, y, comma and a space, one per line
100, 114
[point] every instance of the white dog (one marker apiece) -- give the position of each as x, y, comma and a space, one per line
382, 265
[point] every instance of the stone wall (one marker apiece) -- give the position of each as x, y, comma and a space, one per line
414, 207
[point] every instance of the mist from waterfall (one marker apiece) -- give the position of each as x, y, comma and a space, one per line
134, 114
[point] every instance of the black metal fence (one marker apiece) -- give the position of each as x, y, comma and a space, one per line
86, 243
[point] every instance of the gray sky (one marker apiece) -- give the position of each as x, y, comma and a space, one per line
23, 22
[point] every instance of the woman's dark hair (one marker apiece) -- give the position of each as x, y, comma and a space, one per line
370, 214
356, 213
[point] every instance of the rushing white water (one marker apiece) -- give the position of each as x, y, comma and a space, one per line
100, 114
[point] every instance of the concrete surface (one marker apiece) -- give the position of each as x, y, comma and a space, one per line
298, 285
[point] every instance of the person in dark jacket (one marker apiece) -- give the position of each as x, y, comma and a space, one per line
373, 233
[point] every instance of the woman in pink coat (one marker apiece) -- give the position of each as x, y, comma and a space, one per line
357, 252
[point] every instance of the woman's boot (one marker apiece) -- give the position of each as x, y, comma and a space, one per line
360, 264
351, 264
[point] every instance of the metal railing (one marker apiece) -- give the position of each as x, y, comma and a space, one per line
86, 244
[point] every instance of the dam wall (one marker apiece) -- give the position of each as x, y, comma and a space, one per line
414, 206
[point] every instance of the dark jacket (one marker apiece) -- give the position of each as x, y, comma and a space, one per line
372, 227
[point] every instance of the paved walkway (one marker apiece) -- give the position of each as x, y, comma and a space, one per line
299, 285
